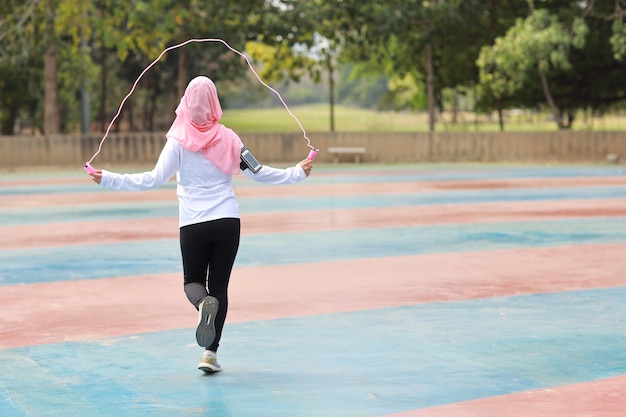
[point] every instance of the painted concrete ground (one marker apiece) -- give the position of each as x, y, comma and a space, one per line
402, 291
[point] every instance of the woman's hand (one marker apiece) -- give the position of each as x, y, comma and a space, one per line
97, 176
306, 165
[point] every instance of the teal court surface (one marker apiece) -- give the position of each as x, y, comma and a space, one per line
365, 291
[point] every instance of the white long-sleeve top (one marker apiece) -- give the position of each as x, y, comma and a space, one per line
204, 192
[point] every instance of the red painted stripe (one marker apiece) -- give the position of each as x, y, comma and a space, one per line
76, 310
79, 233
602, 398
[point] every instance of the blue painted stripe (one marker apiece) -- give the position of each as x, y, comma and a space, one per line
163, 256
143, 210
429, 173
469, 173
367, 363
364, 175
8, 407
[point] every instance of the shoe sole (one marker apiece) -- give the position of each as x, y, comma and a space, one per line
205, 332
208, 368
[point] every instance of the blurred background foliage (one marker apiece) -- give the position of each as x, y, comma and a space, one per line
65, 65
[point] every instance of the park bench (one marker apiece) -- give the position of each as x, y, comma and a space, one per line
356, 151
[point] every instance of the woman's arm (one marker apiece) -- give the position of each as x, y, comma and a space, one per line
292, 175
164, 169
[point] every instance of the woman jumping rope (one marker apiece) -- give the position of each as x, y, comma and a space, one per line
204, 155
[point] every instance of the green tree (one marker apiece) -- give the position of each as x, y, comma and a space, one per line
178, 22
19, 70
48, 29
618, 38
325, 39
429, 42
539, 44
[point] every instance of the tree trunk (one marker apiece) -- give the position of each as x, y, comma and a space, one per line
150, 107
8, 123
430, 87
51, 94
331, 93
103, 79
556, 113
182, 72
455, 107
102, 112
131, 117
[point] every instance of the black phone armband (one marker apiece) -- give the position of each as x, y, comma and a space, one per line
248, 161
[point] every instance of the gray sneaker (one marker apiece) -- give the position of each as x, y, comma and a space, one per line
208, 363
205, 332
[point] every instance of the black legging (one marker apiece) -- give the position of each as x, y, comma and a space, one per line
210, 247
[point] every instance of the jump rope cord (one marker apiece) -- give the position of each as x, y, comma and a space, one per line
119, 110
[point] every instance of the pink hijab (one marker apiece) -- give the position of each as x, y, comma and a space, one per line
196, 126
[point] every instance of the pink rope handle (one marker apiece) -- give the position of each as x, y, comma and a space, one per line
119, 110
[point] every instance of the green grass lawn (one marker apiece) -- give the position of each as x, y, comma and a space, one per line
316, 118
